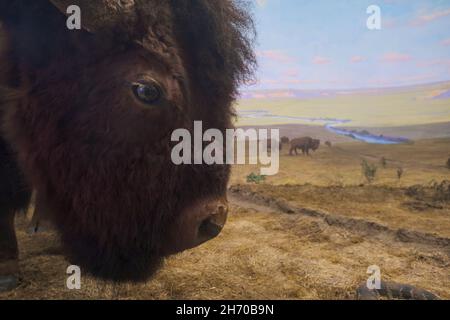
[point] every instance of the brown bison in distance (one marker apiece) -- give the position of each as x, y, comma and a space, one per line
285, 140
87, 117
305, 144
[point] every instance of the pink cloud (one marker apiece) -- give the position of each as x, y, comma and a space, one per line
282, 94
284, 82
401, 80
291, 73
446, 42
389, 23
435, 62
272, 94
275, 55
357, 59
321, 60
293, 81
268, 81
426, 18
394, 57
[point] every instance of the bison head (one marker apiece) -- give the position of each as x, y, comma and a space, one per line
315, 144
91, 112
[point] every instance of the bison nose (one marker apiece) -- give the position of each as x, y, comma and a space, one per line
196, 224
213, 225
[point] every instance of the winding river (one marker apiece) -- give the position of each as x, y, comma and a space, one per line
331, 124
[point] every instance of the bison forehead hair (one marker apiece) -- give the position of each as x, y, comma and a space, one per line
100, 158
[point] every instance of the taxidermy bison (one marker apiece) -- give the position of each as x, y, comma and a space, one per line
87, 117
305, 144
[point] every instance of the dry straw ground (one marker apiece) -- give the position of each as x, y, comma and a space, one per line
265, 253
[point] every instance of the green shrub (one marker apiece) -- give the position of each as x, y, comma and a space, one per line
400, 172
255, 178
383, 162
369, 171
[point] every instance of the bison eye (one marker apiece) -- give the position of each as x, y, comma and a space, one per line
148, 92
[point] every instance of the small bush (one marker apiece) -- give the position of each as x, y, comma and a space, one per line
369, 171
383, 162
400, 172
434, 191
442, 191
448, 163
255, 178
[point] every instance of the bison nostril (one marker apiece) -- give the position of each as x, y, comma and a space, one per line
198, 224
208, 228
213, 225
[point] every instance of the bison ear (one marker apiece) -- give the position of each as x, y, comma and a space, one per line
101, 15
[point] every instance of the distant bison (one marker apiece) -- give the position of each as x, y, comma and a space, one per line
285, 140
328, 144
305, 144
87, 121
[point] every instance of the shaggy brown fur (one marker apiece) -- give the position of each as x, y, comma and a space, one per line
100, 159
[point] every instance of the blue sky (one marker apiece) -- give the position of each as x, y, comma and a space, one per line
325, 44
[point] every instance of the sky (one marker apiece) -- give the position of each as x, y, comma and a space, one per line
326, 44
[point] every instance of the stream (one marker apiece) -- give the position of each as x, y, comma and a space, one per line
331, 124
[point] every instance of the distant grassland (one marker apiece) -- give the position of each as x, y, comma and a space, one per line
381, 108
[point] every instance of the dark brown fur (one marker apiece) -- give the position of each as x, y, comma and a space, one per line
101, 161
305, 144
285, 140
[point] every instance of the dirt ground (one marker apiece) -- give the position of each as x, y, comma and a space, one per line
310, 232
